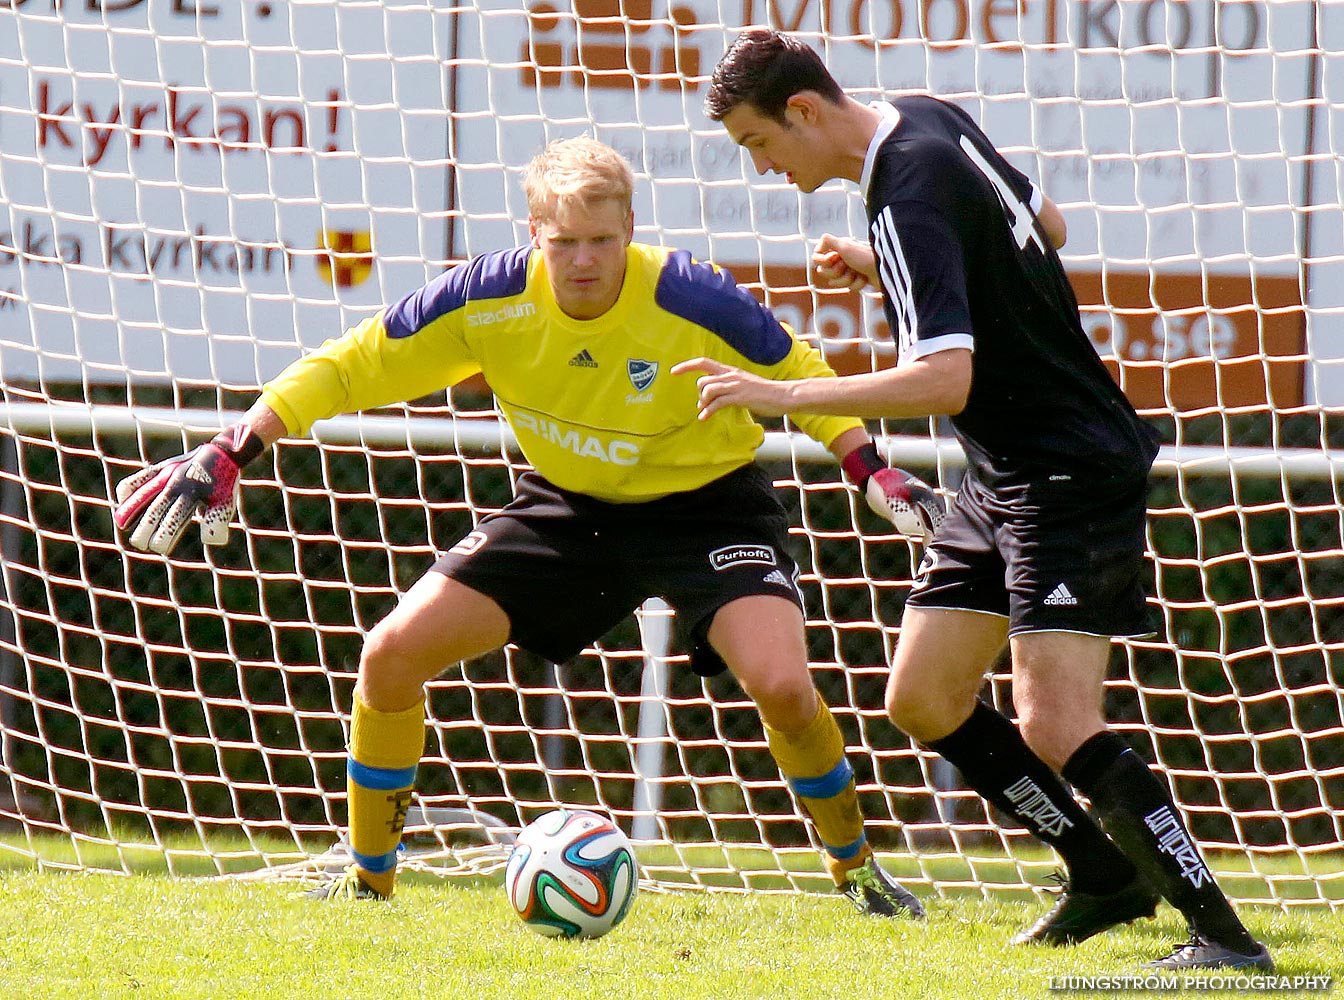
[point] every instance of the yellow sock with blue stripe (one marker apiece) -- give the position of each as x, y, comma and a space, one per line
385, 749
813, 762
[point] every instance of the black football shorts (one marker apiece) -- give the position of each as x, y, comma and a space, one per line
1064, 556
566, 568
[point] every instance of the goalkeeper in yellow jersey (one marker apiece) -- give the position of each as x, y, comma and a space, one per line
632, 496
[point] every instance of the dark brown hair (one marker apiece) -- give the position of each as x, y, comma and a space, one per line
763, 69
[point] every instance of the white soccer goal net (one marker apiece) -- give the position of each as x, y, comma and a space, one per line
193, 193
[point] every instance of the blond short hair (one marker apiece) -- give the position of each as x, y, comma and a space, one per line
577, 171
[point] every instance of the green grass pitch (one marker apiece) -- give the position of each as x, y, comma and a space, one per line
83, 935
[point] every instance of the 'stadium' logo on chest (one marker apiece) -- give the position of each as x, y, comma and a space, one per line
486, 317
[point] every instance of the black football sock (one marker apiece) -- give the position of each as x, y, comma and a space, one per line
989, 752
1137, 810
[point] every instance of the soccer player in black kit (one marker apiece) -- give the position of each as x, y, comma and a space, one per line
1044, 546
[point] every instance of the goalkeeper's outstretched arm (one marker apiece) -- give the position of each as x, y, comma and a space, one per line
365, 368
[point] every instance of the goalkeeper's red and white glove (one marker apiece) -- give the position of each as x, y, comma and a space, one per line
908, 502
165, 496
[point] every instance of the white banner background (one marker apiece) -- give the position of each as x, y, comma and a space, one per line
170, 174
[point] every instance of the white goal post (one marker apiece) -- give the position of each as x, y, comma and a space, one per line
192, 194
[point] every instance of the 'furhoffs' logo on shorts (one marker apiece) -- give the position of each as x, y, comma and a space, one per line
469, 543
735, 555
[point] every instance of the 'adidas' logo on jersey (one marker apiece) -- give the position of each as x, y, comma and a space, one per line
1061, 595
582, 360
775, 576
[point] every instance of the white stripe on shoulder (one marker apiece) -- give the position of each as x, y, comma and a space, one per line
895, 274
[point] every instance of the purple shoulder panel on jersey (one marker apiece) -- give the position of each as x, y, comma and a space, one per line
494, 275
711, 299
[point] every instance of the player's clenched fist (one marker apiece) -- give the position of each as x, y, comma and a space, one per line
840, 262
165, 496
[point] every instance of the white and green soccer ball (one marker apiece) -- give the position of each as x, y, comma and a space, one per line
572, 873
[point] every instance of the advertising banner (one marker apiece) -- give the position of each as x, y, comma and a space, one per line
198, 191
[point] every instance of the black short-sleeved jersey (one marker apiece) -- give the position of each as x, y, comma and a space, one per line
964, 263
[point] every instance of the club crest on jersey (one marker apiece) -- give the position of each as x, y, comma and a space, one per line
642, 373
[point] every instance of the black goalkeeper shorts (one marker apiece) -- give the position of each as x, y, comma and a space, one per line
1054, 557
566, 568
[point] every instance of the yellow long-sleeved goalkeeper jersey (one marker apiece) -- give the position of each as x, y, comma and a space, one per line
591, 401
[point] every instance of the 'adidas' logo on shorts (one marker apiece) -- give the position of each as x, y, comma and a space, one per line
582, 360
1061, 595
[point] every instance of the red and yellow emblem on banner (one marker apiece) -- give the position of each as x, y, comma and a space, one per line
345, 257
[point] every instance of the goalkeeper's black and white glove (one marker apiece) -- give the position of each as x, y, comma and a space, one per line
165, 496
908, 502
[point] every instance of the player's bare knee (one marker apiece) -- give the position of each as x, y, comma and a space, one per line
786, 700
389, 674
380, 651
1046, 738
900, 709
911, 714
